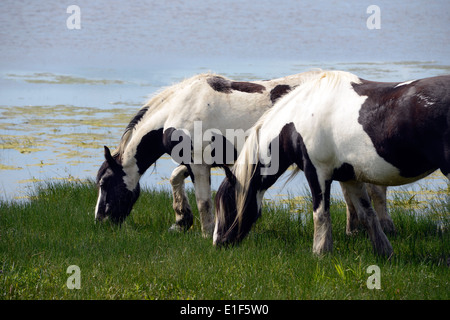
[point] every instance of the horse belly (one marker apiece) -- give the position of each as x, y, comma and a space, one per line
377, 171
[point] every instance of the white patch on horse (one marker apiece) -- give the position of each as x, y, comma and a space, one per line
131, 177
425, 99
404, 83
215, 234
349, 143
322, 230
98, 202
129, 164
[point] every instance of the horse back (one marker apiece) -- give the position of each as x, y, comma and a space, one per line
408, 122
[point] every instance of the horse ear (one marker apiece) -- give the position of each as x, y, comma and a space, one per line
109, 158
229, 175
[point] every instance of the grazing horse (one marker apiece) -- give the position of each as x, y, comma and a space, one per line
170, 119
336, 126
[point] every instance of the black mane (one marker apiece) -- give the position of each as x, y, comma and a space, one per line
136, 119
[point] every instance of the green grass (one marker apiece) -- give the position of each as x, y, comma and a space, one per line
41, 238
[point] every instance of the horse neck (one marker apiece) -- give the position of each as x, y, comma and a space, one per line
143, 147
251, 174
143, 140
139, 154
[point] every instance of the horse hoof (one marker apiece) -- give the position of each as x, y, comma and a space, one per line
207, 235
176, 228
352, 231
388, 227
323, 248
384, 250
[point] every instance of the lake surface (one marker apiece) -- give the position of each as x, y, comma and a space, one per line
64, 93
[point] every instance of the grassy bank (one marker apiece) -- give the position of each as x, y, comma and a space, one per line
41, 238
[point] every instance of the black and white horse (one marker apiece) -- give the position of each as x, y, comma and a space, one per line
171, 118
336, 126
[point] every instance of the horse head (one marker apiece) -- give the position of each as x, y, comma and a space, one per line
115, 200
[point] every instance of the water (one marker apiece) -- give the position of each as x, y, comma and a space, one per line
66, 93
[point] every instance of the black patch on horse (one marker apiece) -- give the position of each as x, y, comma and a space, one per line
149, 150
308, 167
223, 85
294, 151
248, 87
344, 173
366, 205
397, 120
279, 91
169, 144
219, 84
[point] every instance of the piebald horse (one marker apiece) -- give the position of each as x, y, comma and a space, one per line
336, 126
168, 120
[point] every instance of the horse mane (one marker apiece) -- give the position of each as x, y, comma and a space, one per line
246, 164
245, 168
126, 136
333, 78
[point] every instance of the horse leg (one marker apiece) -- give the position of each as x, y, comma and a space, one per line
378, 196
202, 185
352, 216
323, 241
183, 212
320, 190
368, 217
